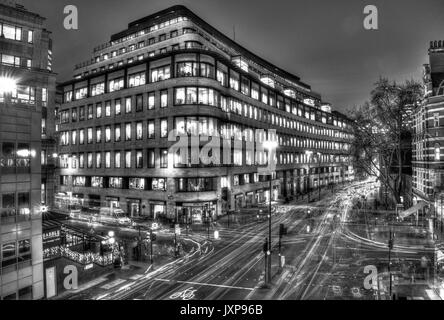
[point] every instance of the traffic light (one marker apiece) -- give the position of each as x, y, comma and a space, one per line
153, 237
390, 244
265, 246
282, 229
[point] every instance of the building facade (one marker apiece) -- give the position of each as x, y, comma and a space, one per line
173, 71
428, 144
26, 87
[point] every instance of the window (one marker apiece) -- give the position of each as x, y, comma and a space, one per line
67, 96
89, 160
437, 152
136, 79
118, 106
158, 184
117, 132
151, 100
97, 89
127, 131
30, 36
98, 110
98, 135
139, 103
179, 96
115, 182
98, 160
117, 159
74, 115
234, 80
82, 136
74, 137
139, 130
137, 183
150, 158
161, 73
116, 84
127, 159
81, 93
150, 129
436, 119
164, 158
187, 69
90, 110
128, 105
139, 159
11, 32
108, 109
206, 70
163, 98
89, 137
245, 86
96, 182
164, 128
107, 159
81, 160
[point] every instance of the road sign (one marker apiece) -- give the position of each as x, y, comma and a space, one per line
177, 229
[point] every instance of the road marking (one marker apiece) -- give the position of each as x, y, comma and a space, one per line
205, 284
113, 284
136, 277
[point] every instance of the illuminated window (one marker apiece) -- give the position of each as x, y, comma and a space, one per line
117, 159
161, 73
163, 98
150, 129
136, 79
117, 133
127, 159
127, 131
164, 128
98, 159
437, 152
151, 100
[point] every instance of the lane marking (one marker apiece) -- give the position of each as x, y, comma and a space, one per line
113, 284
204, 284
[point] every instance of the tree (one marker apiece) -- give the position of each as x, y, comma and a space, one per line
382, 127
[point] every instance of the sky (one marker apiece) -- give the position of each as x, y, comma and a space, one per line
322, 42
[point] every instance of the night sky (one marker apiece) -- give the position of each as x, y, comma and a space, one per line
323, 42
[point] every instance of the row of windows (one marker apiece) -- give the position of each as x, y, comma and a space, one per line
134, 183
10, 60
191, 125
227, 78
196, 95
12, 32
142, 160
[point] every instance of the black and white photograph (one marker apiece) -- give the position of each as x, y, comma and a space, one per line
235, 152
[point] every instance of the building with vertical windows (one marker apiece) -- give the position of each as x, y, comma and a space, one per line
428, 143
173, 71
26, 87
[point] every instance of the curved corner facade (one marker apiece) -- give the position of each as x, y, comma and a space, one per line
173, 71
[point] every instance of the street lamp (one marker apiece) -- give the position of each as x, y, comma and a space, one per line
270, 145
7, 85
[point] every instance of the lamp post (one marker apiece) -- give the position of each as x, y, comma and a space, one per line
270, 146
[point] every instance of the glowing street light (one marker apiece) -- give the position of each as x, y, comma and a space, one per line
216, 234
111, 233
7, 85
112, 240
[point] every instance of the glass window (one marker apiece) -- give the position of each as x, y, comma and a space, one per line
136, 79
191, 95
117, 159
118, 106
127, 131
107, 133
139, 102
98, 110
117, 133
116, 84
108, 109
163, 98
150, 129
187, 69
234, 80
127, 159
164, 128
206, 70
128, 105
98, 159
164, 158
151, 100
98, 134
97, 89
107, 159
179, 96
161, 73
139, 159
97, 182
90, 135
151, 158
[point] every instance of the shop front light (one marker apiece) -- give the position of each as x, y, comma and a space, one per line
7, 85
